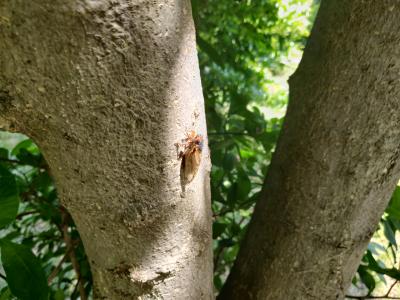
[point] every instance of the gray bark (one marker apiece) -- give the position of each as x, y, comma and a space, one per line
105, 88
336, 163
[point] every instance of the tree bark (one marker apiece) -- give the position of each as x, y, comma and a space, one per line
106, 88
336, 163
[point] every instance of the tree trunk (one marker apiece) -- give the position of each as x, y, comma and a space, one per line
106, 88
336, 163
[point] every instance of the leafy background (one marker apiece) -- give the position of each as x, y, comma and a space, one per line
33, 221
247, 50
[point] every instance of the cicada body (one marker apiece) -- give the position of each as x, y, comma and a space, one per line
191, 156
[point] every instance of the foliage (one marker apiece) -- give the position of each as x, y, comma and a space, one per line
247, 49
381, 260
38, 239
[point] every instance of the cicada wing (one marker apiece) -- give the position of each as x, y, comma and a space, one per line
190, 165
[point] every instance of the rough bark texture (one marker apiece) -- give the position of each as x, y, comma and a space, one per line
106, 88
336, 163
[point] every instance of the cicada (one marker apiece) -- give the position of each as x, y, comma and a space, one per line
190, 156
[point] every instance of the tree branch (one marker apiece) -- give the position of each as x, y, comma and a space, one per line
58, 267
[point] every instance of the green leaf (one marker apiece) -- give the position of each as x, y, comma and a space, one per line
5, 294
367, 279
217, 157
375, 247
43, 183
226, 243
25, 276
394, 206
394, 222
3, 153
210, 50
27, 158
232, 194
217, 282
393, 213
216, 195
9, 198
218, 229
374, 266
229, 162
27, 145
59, 295
244, 186
238, 105
269, 139
389, 233
235, 229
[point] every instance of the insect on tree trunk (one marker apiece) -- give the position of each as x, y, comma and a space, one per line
106, 88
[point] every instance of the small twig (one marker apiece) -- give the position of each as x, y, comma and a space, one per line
76, 288
26, 213
75, 264
216, 259
57, 269
242, 220
370, 297
228, 133
391, 288
2, 276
